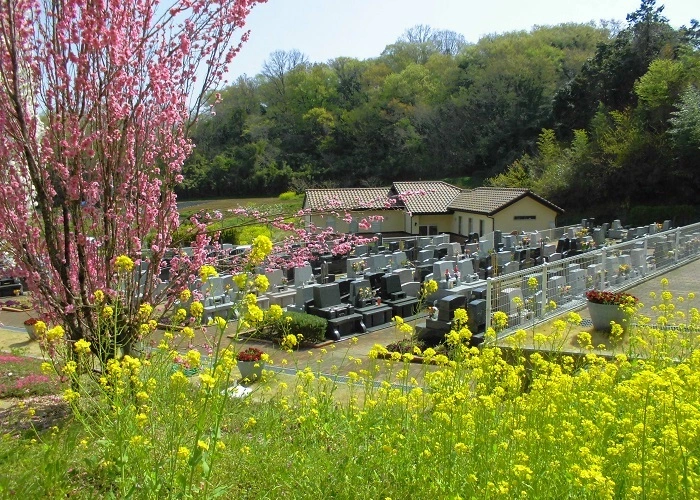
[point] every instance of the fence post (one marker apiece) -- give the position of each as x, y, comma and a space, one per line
489, 286
544, 289
676, 247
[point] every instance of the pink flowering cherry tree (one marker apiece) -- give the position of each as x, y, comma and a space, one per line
95, 106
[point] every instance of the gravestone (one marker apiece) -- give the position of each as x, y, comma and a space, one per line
577, 281
555, 286
425, 255
303, 275
598, 236
511, 267
399, 257
554, 257
485, 246
274, 277
361, 250
497, 237
504, 257
509, 242
376, 262
548, 250
506, 300
638, 260
476, 315
666, 225
611, 265
455, 250
471, 248
424, 242
405, 275
349, 265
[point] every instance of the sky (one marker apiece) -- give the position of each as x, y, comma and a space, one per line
326, 29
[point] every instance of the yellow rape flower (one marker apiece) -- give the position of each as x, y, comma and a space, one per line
188, 332
207, 380
185, 295
55, 333
39, 328
107, 312
240, 280
145, 310
99, 296
275, 312
431, 287
193, 358
70, 395
123, 264
206, 272
262, 246
289, 342
196, 309
70, 368
261, 283
180, 315
82, 346
220, 323
183, 453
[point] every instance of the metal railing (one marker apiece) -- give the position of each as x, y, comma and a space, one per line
525, 295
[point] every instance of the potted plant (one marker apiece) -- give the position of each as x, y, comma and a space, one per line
251, 362
605, 307
29, 326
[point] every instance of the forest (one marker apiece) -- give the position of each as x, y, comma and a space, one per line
587, 115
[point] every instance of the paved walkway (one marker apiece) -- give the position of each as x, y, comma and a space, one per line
340, 358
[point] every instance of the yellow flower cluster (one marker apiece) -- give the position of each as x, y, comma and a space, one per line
261, 248
82, 346
206, 272
123, 264
56, 333
261, 283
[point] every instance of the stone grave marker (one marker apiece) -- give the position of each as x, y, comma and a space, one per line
303, 275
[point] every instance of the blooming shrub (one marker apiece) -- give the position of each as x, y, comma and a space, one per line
250, 354
610, 298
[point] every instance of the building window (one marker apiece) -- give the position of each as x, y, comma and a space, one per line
525, 217
471, 226
481, 227
427, 230
459, 222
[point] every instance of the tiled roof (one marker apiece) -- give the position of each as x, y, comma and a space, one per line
426, 197
347, 199
489, 200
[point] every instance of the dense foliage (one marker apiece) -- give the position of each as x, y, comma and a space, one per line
417, 111
580, 113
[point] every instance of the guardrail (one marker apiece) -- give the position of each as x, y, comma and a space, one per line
525, 295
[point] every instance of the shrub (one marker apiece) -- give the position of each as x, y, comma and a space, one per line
312, 328
287, 195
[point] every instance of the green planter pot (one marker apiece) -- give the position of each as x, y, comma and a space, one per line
603, 314
251, 370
